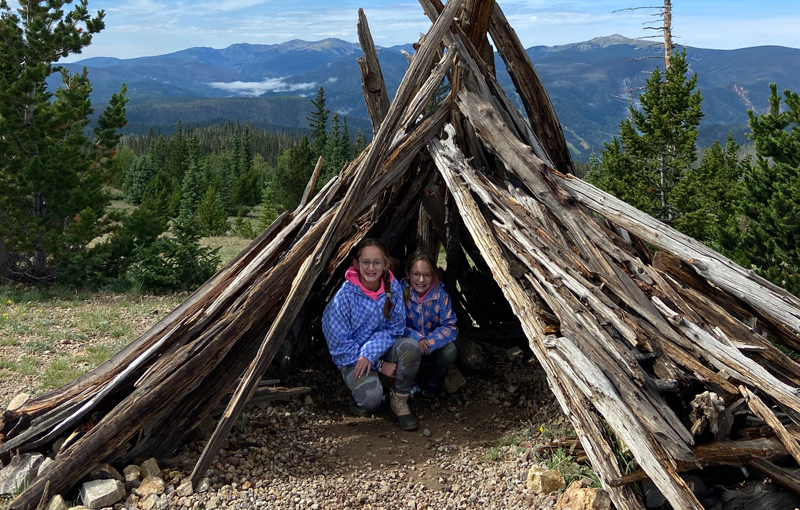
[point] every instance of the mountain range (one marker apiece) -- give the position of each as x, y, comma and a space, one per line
590, 83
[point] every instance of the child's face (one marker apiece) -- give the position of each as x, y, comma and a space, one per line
371, 264
420, 277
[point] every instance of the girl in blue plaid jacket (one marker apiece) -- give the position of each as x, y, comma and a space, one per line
363, 325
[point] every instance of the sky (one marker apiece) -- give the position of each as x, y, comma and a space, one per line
155, 27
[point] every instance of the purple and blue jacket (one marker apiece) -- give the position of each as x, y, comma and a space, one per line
431, 317
354, 325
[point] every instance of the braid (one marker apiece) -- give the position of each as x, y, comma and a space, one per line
387, 289
407, 292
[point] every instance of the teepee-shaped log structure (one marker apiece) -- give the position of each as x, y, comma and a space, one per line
652, 347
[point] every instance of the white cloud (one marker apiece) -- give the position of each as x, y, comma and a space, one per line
256, 88
332, 79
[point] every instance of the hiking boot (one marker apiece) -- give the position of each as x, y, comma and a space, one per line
357, 409
399, 405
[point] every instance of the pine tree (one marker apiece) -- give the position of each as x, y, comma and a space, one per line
138, 176
292, 174
190, 189
211, 216
360, 143
707, 198
318, 122
656, 146
162, 196
50, 172
334, 158
772, 205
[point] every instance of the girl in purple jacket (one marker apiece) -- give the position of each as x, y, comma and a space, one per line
430, 321
363, 325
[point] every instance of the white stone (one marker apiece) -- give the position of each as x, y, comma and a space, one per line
100, 493
56, 503
150, 468
18, 401
44, 465
203, 486
19, 472
185, 489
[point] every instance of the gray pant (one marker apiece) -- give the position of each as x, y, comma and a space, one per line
368, 391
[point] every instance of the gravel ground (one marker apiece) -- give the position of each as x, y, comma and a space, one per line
472, 449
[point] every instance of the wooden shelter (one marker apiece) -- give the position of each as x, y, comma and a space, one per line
644, 333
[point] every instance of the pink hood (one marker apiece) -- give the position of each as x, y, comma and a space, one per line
351, 275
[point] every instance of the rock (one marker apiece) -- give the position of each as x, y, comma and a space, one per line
132, 472
79, 507
104, 471
150, 485
514, 353
185, 489
44, 465
18, 401
19, 472
203, 429
100, 493
56, 503
203, 486
150, 468
470, 355
578, 498
308, 401
454, 380
544, 481
149, 503
132, 502
426, 433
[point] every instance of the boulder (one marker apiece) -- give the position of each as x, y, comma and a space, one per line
100, 493
150, 468
544, 481
104, 471
150, 485
18, 401
578, 498
57, 503
132, 472
19, 472
454, 380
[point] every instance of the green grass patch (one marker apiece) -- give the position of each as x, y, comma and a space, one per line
61, 372
229, 246
26, 366
38, 346
564, 462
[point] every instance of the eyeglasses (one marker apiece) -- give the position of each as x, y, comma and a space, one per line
377, 264
416, 275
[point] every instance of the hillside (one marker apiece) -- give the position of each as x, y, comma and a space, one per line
588, 83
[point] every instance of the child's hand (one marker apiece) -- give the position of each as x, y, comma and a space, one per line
389, 369
362, 367
424, 347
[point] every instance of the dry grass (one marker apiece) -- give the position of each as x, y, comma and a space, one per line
50, 337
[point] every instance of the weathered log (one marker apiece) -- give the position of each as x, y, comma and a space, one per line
596, 445
542, 115
312, 183
375, 96
762, 411
779, 475
724, 453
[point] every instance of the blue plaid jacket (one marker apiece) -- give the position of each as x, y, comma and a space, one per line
432, 319
354, 324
